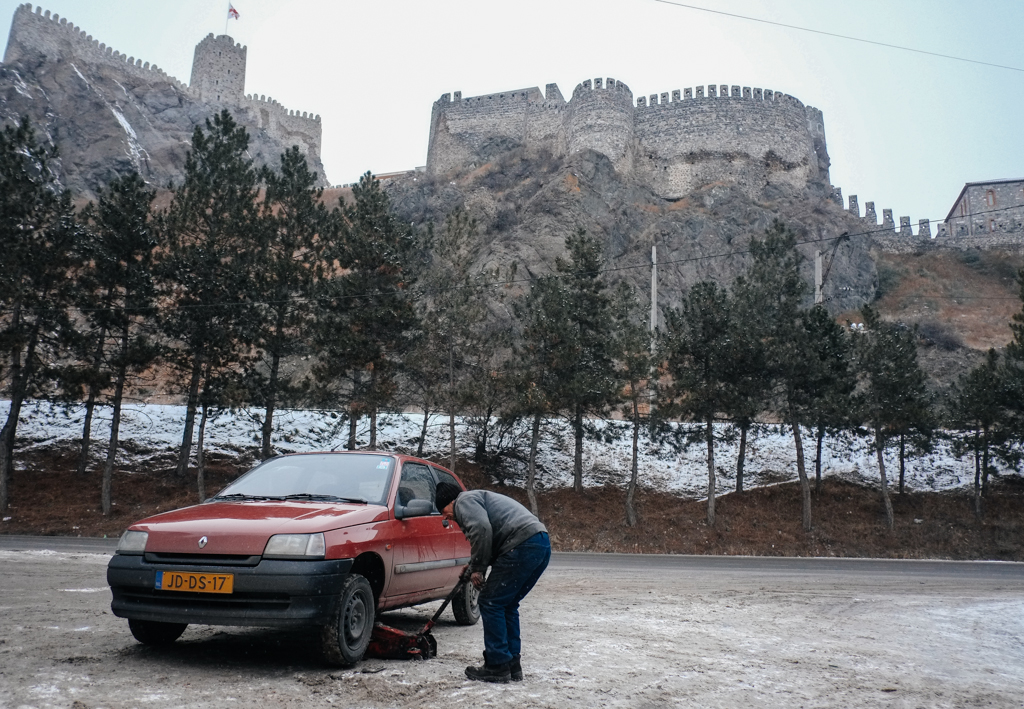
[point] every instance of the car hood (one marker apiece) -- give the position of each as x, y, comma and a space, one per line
245, 527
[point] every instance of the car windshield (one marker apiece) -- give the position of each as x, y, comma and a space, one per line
316, 477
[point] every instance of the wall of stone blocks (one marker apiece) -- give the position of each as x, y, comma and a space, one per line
218, 70
54, 36
464, 130
676, 141
217, 59
1006, 214
600, 117
747, 137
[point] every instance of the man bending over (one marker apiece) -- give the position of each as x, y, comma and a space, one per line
504, 535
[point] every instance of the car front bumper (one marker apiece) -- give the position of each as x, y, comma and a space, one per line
269, 593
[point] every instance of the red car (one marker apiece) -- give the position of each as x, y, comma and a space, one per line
324, 540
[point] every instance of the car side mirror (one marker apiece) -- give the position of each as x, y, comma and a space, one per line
415, 508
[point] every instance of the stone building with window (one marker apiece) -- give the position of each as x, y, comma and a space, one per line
986, 210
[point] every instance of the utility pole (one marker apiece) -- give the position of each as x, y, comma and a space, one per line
654, 289
818, 299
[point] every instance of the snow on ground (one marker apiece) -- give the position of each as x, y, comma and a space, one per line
771, 458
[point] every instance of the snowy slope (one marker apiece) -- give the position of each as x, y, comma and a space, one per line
770, 454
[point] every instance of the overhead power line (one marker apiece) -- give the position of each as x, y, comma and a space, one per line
839, 36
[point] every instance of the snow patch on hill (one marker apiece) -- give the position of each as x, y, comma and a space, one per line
771, 459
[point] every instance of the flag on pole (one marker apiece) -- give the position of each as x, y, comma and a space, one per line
232, 12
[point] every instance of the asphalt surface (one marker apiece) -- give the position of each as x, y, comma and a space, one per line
615, 630
668, 563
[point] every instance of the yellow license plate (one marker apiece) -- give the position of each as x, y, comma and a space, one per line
197, 583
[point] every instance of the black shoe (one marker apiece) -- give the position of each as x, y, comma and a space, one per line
516, 669
490, 673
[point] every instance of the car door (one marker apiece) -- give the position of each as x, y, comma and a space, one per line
462, 550
424, 552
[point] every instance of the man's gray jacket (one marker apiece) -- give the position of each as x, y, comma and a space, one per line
494, 524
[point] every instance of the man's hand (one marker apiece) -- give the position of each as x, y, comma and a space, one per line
477, 579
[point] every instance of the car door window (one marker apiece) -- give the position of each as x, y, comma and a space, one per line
416, 484
443, 477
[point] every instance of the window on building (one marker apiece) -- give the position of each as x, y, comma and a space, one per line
963, 208
991, 224
990, 198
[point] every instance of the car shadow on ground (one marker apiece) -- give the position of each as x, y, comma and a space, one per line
263, 649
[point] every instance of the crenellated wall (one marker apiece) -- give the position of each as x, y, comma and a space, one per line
748, 137
466, 130
40, 32
218, 73
218, 70
600, 117
676, 141
287, 126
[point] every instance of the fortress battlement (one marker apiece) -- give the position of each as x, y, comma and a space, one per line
53, 35
675, 141
218, 73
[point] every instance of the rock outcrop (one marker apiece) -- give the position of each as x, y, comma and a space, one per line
109, 114
527, 201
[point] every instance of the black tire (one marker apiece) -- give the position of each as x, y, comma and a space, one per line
344, 639
466, 605
151, 632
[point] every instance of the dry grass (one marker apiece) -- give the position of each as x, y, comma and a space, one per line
973, 294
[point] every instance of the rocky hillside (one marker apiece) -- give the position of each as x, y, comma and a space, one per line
527, 202
107, 122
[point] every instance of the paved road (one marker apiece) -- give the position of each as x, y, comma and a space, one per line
965, 571
613, 630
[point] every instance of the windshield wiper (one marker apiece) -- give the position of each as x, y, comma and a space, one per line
322, 498
240, 497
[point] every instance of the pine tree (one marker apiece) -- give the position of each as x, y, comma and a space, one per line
534, 375
830, 380
894, 394
1013, 374
578, 316
975, 404
698, 357
774, 288
39, 234
119, 290
635, 369
366, 319
453, 313
289, 263
750, 382
211, 232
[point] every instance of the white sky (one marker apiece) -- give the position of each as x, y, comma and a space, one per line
904, 130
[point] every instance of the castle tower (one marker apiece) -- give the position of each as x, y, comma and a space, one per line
600, 117
218, 70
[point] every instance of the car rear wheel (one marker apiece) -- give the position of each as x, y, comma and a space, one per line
344, 639
151, 632
466, 605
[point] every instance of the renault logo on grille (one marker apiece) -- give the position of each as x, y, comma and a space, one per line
202, 542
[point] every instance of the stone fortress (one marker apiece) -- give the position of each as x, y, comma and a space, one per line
679, 141
674, 142
218, 73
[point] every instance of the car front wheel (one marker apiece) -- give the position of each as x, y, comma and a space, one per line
466, 605
345, 637
151, 632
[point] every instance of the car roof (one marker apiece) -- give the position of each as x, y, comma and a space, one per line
402, 457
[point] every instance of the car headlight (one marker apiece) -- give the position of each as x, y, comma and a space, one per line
132, 542
292, 545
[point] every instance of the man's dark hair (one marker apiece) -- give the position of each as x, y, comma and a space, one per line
446, 493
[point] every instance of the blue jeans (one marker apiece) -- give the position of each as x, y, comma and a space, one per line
512, 576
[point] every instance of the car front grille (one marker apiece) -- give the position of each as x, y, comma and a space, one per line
202, 559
